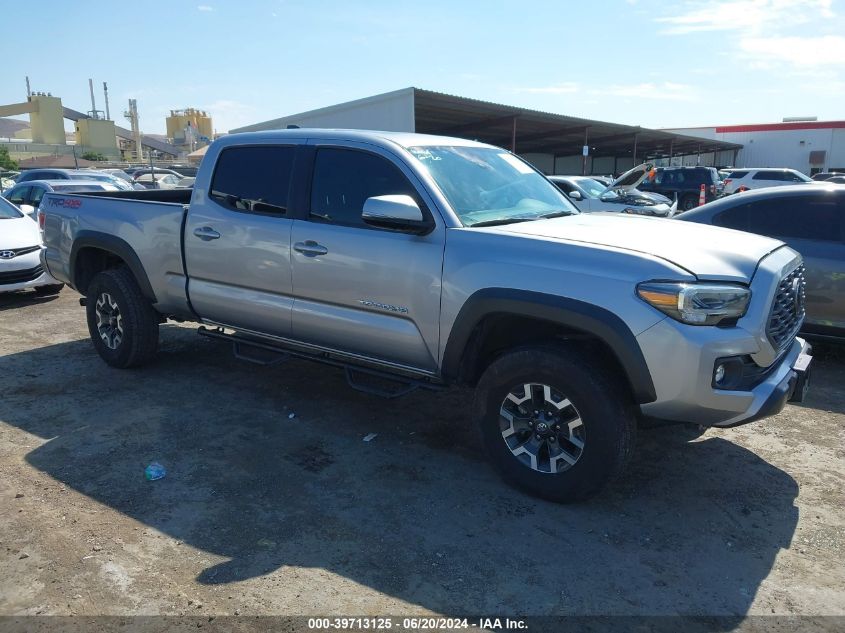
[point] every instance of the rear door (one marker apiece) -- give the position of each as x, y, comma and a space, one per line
359, 289
237, 240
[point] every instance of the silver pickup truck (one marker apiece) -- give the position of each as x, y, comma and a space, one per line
421, 261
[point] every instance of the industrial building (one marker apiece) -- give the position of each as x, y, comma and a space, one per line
554, 143
809, 146
96, 132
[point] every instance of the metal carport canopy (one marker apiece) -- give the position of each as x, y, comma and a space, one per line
528, 131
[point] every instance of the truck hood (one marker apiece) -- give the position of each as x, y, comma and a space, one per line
631, 178
708, 252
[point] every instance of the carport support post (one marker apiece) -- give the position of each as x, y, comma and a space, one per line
635, 150
671, 151
513, 136
583, 155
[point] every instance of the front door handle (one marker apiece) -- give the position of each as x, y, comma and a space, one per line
310, 248
206, 233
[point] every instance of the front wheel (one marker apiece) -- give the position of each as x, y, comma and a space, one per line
554, 424
122, 323
689, 202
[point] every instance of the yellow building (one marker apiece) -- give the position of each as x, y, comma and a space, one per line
96, 134
200, 132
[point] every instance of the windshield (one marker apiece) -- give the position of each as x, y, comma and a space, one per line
593, 187
8, 211
802, 177
486, 185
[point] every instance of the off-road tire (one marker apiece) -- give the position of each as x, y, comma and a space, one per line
52, 289
600, 401
139, 340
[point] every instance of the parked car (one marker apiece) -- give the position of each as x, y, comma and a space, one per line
744, 179
27, 195
20, 254
836, 180
186, 182
118, 173
812, 221
432, 261
684, 184
826, 175
158, 181
188, 171
73, 174
622, 197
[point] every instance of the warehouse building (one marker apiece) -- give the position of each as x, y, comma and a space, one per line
809, 146
554, 143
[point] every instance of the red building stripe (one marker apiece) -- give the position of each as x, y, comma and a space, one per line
776, 127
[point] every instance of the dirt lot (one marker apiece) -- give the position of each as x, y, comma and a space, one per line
263, 514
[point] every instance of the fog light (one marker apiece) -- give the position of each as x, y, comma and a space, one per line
719, 374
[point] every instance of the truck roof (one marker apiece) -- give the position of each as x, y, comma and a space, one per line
403, 139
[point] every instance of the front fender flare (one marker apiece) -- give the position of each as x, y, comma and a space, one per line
571, 313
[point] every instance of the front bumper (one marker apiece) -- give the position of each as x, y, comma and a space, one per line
15, 273
682, 364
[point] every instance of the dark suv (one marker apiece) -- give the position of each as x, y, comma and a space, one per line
683, 183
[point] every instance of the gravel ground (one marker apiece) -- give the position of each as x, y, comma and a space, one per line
274, 504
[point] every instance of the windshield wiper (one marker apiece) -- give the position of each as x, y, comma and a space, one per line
556, 214
501, 221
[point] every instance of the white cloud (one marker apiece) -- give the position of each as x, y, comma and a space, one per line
743, 15
567, 87
797, 51
665, 91
204, 7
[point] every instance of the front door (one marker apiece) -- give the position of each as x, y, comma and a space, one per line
237, 240
359, 289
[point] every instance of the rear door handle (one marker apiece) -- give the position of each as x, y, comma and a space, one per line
310, 248
206, 233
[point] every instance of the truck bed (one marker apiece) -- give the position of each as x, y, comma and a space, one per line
143, 228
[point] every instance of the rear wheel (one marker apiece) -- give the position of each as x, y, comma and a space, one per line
122, 323
553, 424
689, 202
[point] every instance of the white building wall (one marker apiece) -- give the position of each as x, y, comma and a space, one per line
390, 112
777, 148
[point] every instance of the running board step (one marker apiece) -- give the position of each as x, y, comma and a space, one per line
402, 388
370, 381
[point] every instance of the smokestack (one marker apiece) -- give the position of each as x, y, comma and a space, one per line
106, 95
93, 104
28, 91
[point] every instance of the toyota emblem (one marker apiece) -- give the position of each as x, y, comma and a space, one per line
7, 254
797, 296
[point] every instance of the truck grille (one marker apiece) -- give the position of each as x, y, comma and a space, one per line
787, 310
20, 276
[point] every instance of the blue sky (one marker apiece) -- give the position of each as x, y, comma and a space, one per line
643, 62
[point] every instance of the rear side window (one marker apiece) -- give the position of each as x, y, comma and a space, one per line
798, 217
254, 178
768, 175
737, 174
18, 194
344, 179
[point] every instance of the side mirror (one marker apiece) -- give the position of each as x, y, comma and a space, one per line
27, 208
575, 195
396, 212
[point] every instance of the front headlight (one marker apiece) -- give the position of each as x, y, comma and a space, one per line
696, 304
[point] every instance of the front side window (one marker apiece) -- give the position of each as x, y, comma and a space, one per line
485, 185
254, 178
35, 196
344, 179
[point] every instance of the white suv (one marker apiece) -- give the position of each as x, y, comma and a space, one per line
742, 179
